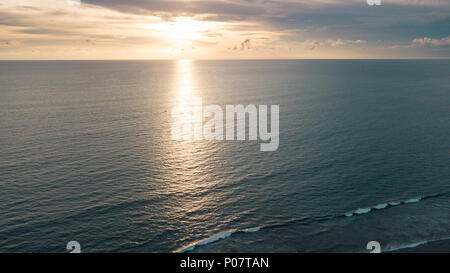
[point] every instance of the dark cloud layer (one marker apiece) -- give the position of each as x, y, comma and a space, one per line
177, 7
396, 19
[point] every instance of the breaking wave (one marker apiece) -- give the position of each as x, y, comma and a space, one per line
356, 212
214, 238
385, 205
413, 245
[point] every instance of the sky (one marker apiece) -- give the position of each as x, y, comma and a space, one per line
223, 29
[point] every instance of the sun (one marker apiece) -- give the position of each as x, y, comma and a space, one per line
183, 29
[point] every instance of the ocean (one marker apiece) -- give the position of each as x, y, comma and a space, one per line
86, 155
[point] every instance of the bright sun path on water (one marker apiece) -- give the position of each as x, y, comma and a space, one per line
184, 92
185, 84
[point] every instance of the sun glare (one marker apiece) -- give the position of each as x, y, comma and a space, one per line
183, 29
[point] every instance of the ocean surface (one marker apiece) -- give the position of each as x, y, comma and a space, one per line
86, 155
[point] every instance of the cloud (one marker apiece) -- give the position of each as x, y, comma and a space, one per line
313, 44
429, 42
418, 2
245, 44
340, 42
292, 28
180, 7
12, 19
8, 43
242, 7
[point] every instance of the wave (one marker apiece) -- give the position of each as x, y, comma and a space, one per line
252, 229
214, 238
414, 245
412, 201
381, 206
392, 203
356, 212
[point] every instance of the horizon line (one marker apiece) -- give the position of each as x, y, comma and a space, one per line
242, 59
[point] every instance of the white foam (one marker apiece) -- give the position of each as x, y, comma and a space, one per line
407, 246
381, 206
252, 229
414, 200
363, 211
217, 237
413, 245
226, 234
214, 238
211, 239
